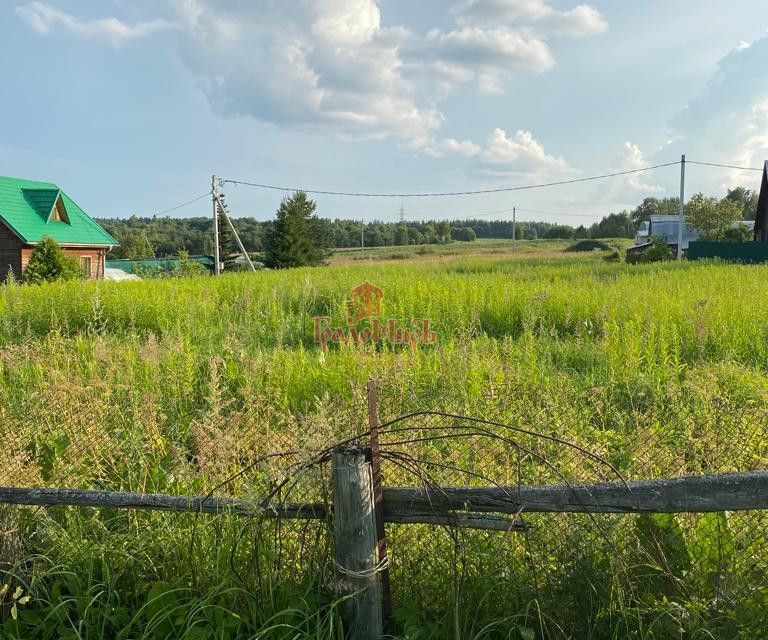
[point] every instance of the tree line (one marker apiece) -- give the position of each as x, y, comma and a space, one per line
141, 238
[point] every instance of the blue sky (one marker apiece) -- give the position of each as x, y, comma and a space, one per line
131, 106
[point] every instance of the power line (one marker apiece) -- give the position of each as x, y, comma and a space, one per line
724, 166
184, 204
467, 193
355, 194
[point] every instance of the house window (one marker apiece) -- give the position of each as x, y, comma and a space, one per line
85, 263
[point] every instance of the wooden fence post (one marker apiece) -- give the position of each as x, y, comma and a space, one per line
357, 558
378, 503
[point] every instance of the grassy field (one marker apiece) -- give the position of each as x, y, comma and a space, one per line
172, 386
456, 250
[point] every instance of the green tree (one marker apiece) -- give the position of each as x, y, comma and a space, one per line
134, 245
711, 218
739, 233
443, 230
653, 207
614, 225
292, 240
401, 235
189, 268
561, 231
464, 234
430, 235
48, 263
746, 199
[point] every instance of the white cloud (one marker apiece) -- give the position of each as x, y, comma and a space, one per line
490, 48
497, 38
632, 159
44, 19
581, 21
519, 154
347, 22
451, 146
728, 121
313, 63
486, 56
332, 65
442, 61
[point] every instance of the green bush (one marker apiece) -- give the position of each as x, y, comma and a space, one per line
589, 245
49, 263
739, 233
659, 251
465, 234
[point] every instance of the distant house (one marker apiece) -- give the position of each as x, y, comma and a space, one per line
666, 227
29, 211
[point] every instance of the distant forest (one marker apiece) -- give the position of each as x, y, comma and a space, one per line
161, 237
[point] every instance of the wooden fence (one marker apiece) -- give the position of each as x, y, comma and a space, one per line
359, 511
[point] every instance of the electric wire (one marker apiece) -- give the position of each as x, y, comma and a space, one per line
466, 193
356, 194
723, 166
183, 204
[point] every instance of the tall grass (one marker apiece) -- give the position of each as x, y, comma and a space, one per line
173, 386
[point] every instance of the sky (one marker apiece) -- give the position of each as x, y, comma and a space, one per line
131, 106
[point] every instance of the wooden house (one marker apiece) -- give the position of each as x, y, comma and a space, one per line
30, 211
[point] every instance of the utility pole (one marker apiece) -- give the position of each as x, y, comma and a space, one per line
362, 237
402, 214
216, 256
514, 229
681, 216
223, 211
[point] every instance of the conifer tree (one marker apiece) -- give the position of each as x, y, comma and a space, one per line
295, 238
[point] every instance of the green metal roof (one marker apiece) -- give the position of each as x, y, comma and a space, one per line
26, 206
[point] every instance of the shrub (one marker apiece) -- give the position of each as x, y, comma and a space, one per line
465, 234
739, 233
589, 245
49, 263
659, 251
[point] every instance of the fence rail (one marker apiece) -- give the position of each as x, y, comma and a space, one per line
694, 494
361, 565
455, 505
